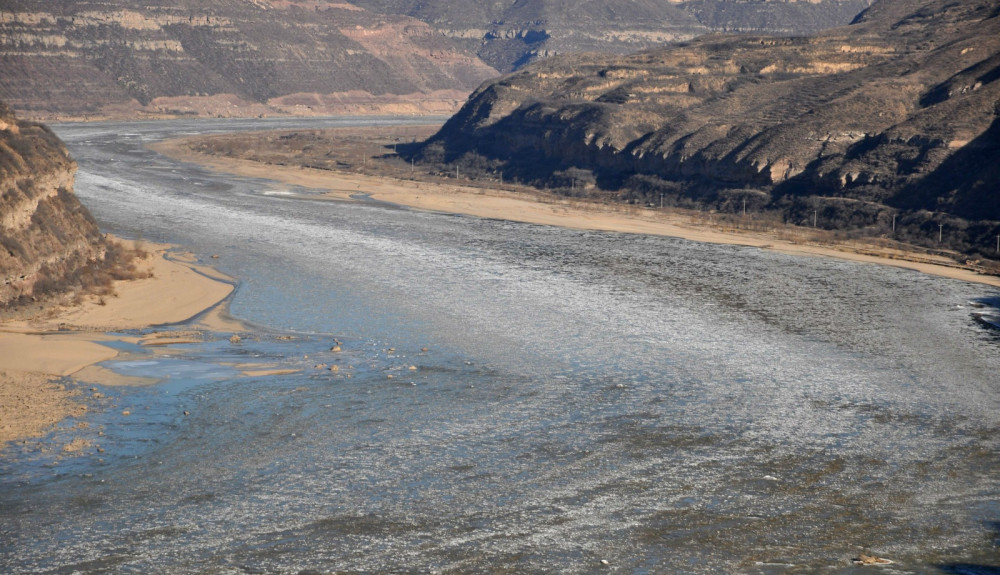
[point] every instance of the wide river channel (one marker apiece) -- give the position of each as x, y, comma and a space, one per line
510, 398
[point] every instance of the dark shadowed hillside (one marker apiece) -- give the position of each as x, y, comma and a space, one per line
224, 57
893, 118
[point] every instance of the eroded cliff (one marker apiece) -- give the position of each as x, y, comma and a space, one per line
49, 243
894, 117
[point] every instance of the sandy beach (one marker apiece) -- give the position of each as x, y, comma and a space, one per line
62, 341
504, 204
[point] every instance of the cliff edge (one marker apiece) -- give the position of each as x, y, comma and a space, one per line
49, 242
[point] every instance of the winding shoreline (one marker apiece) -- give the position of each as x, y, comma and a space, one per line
506, 205
62, 341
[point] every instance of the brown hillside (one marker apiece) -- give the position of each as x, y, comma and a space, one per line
49, 243
114, 58
893, 116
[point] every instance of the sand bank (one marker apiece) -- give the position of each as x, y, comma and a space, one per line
30, 403
62, 341
548, 210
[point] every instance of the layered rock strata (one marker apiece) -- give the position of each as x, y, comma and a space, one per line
116, 59
47, 238
895, 115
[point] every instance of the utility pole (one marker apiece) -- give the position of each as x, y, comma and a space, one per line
940, 231
814, 217
744, 206
894, 223
661, 200
456, 172
411, 166
998, 244
501, 178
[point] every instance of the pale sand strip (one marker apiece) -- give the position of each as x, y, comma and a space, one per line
34, 351
178, 290
51, 354
505, 205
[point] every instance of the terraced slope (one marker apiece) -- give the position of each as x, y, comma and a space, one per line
895, 116
115, 58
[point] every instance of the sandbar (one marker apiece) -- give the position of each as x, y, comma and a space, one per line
64, 340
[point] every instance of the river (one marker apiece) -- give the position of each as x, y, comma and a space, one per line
511, 398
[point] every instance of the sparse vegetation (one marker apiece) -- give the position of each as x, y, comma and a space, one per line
93, 277
50, 246
508, 35
75, 278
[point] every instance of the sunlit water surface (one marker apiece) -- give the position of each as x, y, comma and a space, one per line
582, 402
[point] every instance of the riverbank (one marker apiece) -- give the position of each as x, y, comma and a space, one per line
61, 340
492, 200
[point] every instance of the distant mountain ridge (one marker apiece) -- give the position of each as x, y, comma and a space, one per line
509, 34
113, 58
894, 120
93, 59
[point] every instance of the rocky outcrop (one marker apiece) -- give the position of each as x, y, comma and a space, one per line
894, 115
113, 58
47, 238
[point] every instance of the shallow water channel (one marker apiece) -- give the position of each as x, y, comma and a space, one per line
581, 402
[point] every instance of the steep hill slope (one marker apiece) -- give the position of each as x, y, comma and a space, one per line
509, 34
224, 57
49, 243
893, 116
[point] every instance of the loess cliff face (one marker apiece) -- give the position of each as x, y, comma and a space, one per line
121, 59
896, 114
47, 238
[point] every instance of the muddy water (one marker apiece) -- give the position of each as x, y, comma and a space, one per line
578, 402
